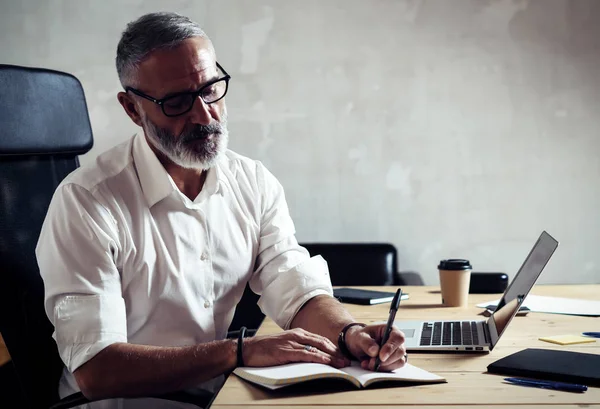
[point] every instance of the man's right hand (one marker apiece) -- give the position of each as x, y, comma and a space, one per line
296, 345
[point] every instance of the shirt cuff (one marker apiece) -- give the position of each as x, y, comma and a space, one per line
284, 297
86, 324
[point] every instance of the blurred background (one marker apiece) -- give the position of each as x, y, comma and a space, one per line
452, 129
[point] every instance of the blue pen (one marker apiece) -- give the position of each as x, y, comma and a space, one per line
592, 334
559, 386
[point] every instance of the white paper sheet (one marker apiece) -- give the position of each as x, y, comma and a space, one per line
556, 305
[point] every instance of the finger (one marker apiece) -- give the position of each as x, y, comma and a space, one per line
364, 364
398, 363
395, 342
368, 345
376, 333
371, 364
310, 353
322, 343
325, 345
398, 354
397, 336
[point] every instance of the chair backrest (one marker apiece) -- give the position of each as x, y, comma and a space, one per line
358, 263
44, 125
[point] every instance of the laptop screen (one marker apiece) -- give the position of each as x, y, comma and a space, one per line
518, 289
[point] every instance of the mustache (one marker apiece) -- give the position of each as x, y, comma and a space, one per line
201, 132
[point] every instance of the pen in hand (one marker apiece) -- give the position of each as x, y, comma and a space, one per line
390, 324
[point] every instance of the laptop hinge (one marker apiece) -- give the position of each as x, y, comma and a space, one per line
486, 332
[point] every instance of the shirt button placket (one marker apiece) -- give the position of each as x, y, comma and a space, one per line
205, 257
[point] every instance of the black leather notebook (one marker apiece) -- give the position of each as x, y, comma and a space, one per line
565, 366
364, 297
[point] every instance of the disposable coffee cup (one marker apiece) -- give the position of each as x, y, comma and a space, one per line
455, 277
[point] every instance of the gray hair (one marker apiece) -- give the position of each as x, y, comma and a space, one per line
148, 33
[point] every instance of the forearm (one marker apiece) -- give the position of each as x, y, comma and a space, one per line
323, 315
140, 370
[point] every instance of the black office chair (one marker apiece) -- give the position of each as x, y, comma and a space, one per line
366, 263
350, 264
44, 125
358, 263
247, 314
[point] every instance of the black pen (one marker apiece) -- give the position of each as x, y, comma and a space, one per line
390, 324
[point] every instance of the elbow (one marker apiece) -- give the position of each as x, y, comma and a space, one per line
95, 378
91, 383
88, 387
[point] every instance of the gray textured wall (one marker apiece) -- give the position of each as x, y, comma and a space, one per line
449, 128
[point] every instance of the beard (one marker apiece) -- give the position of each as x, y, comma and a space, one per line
199, 147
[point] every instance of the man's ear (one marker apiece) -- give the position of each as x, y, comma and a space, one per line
130, 107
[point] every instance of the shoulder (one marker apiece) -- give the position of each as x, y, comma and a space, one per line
238, 169
102, 186
107, 166
233, 162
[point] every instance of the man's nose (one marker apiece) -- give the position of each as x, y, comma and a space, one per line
201, 113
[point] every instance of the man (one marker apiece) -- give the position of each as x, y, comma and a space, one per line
145, 253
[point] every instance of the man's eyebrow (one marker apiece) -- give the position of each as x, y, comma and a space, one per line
190, 89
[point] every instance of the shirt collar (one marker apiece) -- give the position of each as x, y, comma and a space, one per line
156, 182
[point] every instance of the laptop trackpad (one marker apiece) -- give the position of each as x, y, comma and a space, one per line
408, 333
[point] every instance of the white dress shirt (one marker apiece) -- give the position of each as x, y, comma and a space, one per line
126, 257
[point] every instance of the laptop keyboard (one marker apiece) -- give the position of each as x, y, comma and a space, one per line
449, 333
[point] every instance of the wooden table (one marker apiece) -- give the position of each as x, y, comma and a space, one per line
468, 383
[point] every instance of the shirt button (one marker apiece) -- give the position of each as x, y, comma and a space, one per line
204, 257
206, 304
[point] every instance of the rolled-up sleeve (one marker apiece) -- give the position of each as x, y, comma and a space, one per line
285, 275
76, 254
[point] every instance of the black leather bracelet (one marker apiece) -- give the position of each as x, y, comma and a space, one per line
240, 347
342, 339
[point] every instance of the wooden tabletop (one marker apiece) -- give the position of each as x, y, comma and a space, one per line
468, 382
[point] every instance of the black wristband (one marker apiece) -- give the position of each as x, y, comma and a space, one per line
342, 339
240, 347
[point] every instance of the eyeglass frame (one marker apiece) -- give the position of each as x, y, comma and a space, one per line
195, 94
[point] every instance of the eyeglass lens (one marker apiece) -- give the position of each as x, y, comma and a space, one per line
181, 103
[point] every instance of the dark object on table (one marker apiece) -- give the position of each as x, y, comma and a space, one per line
488, 283
563, 366
364, 297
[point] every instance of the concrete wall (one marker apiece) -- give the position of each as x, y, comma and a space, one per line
449, 128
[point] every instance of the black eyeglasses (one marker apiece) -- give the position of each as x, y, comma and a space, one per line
179, 104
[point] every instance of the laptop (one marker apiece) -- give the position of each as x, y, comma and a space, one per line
478, 335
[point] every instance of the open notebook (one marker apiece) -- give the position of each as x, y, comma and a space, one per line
275, 377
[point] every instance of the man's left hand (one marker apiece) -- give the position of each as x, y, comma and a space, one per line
363, 343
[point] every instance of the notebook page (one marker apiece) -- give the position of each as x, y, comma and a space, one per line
288, 373
407, 373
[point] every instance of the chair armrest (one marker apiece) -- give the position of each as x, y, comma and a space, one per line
70, 401
202, 399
